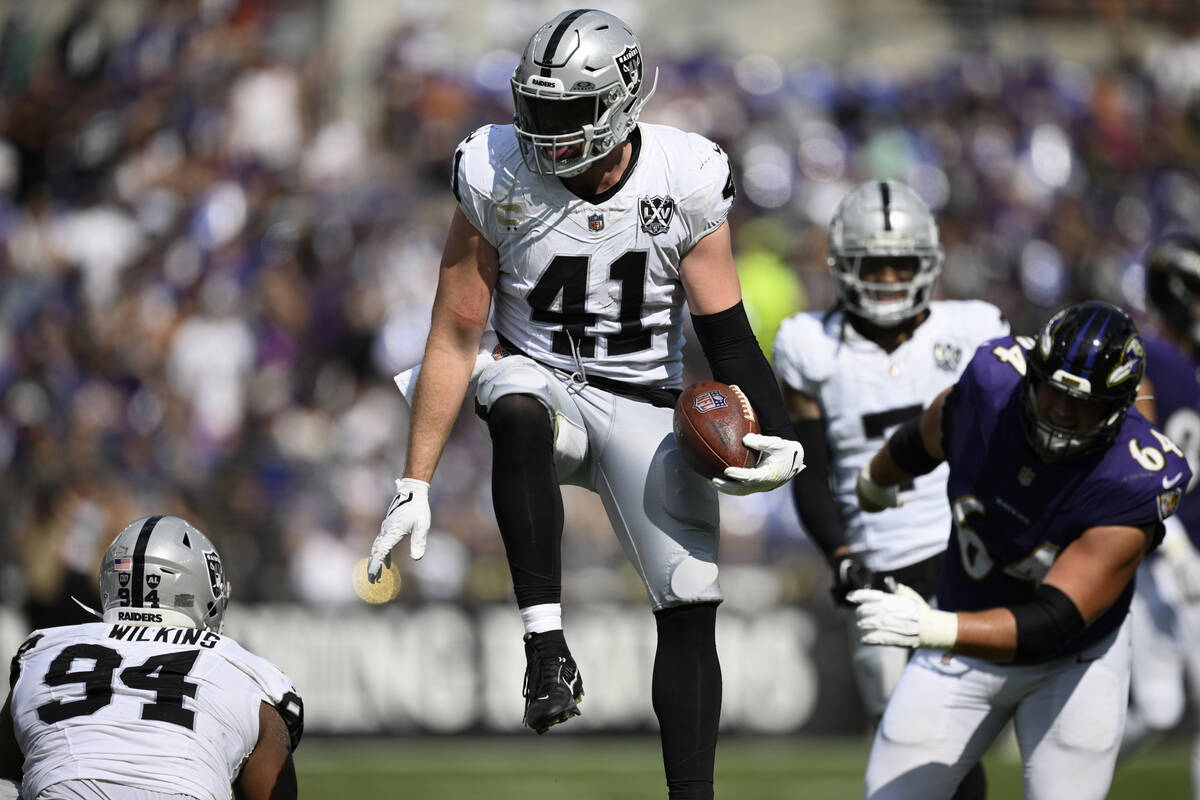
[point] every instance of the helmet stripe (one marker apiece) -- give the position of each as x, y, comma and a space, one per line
885, 193
1079, 339
556, 37
1091, 359
139, 560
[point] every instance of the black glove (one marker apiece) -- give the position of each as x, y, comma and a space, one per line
849, 574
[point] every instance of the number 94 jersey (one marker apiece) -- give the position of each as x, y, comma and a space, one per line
595, 282
170, 710
1014, 513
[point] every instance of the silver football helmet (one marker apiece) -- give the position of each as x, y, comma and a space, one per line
162, 571
577, 91
884, 220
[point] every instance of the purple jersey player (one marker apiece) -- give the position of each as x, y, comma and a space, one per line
1165, 613
1058, 488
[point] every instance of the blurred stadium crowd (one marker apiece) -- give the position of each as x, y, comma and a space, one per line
208, 275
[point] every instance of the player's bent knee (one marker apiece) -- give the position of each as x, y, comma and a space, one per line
518, 416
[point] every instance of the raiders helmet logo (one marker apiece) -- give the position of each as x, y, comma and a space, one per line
629, 64
216, 573
655, 213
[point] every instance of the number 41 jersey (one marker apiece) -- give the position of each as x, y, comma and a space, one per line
170, 710
595, 282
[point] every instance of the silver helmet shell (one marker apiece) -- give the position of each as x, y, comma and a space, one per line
577, 91
161, 570
884, 219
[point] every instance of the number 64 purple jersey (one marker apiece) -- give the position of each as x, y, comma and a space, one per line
1013, 513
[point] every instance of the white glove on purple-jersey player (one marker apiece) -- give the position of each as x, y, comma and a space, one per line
902, 618
781, 460
408, 515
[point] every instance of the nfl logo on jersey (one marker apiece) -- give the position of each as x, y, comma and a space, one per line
595, 222
709, 400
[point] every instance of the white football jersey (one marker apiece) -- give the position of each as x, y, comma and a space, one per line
171, 710
595, 280
865, 393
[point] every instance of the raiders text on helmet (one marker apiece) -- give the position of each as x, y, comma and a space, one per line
577, 91
162, 571
1173, 284
1091, 351
884, 220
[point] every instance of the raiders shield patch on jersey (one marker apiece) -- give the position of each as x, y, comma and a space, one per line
947, 355
655, 213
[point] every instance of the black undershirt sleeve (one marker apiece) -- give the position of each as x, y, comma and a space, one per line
735, 358
815, 503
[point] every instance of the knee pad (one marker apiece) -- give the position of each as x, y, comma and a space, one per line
521, 375
518, 417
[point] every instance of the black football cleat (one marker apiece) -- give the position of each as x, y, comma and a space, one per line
553, 686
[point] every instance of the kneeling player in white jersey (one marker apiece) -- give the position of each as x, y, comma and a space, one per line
1058, 488
588, 231
850, 377
153, 702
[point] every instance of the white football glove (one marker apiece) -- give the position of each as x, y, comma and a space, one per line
781, 460
407, 515
902, 618
1182, 558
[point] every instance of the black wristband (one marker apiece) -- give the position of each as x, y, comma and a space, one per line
907, 449
735, 358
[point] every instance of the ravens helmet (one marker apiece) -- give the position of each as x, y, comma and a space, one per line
1091, 351
577, 91
884, 220
163, 571
1173, 284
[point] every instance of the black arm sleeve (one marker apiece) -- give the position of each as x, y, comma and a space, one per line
735, 358
815, 504
1045, 624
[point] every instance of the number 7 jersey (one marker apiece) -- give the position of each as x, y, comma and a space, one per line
595, 282
170, 710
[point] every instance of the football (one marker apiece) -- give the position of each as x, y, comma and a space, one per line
710, 420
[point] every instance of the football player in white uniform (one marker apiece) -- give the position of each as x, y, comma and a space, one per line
850, 376
152, 702
584, 232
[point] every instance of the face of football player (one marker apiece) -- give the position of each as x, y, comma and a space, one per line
899, 269
1065, 411
548, 117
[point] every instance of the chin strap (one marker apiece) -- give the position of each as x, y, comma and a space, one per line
87, 608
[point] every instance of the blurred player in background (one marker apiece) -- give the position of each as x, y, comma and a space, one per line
588, 230
1058, 488
850, 376
153, 702
1165, 612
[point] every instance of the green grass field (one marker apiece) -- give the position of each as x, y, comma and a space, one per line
574, 768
